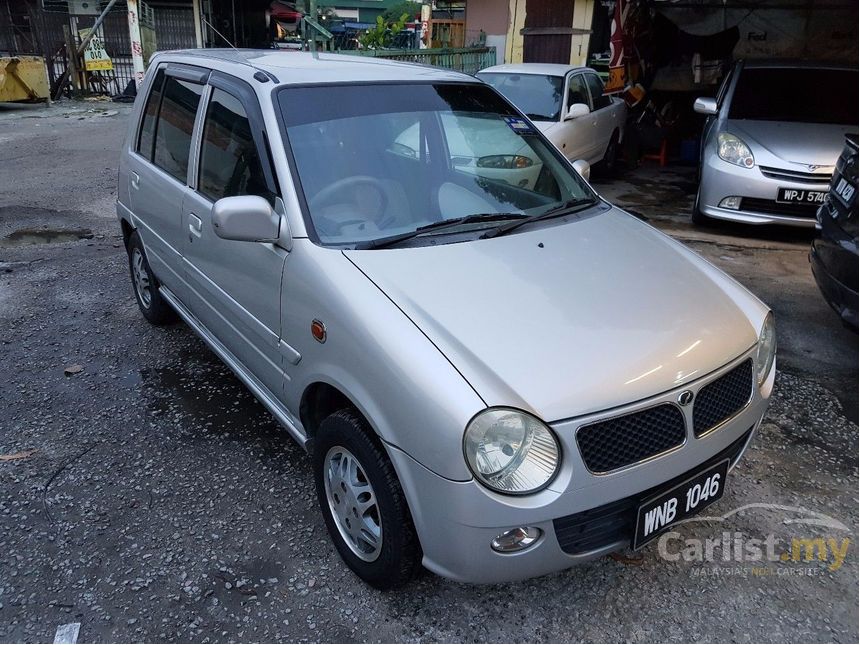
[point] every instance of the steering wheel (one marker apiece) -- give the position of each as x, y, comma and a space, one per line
330, 193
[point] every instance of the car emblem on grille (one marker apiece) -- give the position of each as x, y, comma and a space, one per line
813, 167
685, 397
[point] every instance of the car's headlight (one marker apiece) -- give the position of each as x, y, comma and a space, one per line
733, 150
766, 351
510, 451
504, 161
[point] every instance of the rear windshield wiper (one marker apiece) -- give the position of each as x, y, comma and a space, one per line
383, 242
566, 208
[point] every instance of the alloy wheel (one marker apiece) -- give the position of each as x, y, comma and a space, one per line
140, 276
353, 503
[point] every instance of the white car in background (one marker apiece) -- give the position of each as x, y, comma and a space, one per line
477, 146
567, 104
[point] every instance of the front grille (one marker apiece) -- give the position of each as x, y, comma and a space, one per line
796, 176
723, 398
615, 522
772, 207
615, 443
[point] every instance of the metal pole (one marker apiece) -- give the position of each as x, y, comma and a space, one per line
86, 41
312, 10
198, 27
136, 45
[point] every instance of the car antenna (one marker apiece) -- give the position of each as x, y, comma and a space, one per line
212, 27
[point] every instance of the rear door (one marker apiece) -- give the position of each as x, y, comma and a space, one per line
235, 286
158, 169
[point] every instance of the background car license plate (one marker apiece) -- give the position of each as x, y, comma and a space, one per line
800, 196
680, 502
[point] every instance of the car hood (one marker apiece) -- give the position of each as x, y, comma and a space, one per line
804, 143
545, 126
572, 318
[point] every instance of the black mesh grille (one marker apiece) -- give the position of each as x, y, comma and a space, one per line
723, 398
618, 442
615, 522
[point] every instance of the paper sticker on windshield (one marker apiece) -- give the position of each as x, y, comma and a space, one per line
518, 125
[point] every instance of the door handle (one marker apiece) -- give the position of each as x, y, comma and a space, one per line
135, 180
195, 224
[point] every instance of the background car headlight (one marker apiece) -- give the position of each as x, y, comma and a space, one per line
735, 151
511, 451
504, 161
766, 351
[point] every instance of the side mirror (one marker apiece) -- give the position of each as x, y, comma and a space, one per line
246, 218
705, 105
583, 168
577, 110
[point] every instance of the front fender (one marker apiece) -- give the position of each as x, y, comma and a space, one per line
410, 393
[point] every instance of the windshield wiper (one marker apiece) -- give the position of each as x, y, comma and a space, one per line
566, 208
382, 242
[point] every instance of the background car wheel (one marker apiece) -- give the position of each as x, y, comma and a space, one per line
610, 157
153, 307
698, 217
362, 502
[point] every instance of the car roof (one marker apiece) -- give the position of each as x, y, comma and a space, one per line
292, 67
544, 69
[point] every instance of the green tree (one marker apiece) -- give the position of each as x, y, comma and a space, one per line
383, 32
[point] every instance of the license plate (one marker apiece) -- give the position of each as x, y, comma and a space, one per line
845, 190
800, 196
679, 503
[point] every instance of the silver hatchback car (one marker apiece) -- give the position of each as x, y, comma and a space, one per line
495, 378
771, 140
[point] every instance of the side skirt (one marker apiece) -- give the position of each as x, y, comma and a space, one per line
260, 391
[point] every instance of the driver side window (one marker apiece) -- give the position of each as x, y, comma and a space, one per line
599, 100
577, 91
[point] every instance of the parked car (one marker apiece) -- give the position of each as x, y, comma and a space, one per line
489, 151
770, 142
568, 106
487, 380
834, 255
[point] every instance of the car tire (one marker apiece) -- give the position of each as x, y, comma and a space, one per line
609, 163
345, 443
145, 286
698, 217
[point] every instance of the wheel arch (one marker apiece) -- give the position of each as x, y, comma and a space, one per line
319, 400
127, 230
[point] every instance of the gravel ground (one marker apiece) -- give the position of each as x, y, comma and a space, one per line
150, 498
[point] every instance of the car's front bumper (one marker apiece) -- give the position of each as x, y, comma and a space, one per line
456, 521
758, 193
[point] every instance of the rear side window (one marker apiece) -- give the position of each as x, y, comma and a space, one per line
174, 126
150, 114
598, 98
229, 160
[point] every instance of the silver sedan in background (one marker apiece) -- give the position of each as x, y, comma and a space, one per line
771, 140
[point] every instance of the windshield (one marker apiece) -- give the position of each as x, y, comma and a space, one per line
376, 161
798, 95
537, 96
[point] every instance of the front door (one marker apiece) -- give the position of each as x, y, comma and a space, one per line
576, 140
604, 114
235, 286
